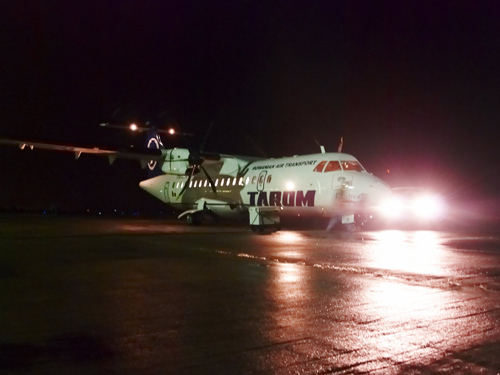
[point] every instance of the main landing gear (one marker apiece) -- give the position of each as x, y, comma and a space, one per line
193, 219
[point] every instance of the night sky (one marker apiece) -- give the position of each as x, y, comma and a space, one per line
413, 87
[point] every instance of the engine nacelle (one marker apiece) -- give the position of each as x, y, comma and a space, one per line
176, 161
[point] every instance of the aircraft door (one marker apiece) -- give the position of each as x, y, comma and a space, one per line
166, 191
261, 180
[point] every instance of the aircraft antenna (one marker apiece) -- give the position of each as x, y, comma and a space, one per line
321, 147
340, 144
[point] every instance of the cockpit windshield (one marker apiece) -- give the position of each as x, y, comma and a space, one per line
352, 166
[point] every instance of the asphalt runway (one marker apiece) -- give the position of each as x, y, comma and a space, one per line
136, 296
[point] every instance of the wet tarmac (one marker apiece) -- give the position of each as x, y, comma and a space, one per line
134, 296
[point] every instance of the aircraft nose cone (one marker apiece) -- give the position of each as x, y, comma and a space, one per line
380, 190
374, 190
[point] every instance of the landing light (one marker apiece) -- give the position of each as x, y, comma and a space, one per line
171, 131
424, 207
133, 127
392, 208
427, 206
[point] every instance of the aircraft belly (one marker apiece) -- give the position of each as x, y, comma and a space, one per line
226, 210
225, 203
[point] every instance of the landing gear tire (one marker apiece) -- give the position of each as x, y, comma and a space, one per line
349, 227
265, 229
192, 219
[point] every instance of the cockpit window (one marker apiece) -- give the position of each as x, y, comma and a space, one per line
320, 166
332, 166
352, 166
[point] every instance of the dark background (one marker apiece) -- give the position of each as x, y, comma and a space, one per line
413, 87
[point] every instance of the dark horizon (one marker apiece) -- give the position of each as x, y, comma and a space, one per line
412, 88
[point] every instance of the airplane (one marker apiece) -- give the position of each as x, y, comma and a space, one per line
199, 184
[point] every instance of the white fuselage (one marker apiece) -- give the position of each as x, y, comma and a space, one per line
316, 184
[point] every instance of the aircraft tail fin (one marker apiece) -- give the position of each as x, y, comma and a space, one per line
153, 142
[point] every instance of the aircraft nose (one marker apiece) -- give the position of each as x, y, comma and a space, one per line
374, 190
379, 190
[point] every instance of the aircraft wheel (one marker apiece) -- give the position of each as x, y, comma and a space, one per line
349, 227
192, 219
264, 229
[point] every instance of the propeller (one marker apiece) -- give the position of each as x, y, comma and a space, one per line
196, 158
196, 155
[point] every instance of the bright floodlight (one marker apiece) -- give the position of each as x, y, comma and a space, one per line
171, 131
290, 185
133, 127
392, 208
427, 207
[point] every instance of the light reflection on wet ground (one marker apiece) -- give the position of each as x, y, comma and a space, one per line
415, 252
117, 296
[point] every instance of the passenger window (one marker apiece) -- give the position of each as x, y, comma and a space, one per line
269, 178
247, 180
254, 179
332, 166
320, 166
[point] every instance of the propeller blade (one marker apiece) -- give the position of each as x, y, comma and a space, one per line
202, 146
209, 179
187, 183
212, 156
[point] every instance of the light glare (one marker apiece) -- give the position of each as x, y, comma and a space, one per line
427, 207
422, 207
392, 208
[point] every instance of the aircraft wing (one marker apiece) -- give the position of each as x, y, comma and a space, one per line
144, 156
